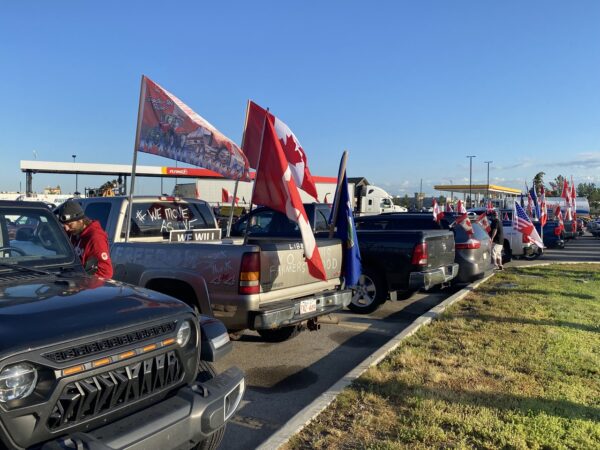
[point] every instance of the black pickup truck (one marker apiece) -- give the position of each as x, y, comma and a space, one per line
88, 363
397, 263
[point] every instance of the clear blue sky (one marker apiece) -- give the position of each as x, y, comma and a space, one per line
408, 88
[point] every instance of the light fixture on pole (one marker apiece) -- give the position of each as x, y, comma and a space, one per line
488, 179
470, 204
76, 193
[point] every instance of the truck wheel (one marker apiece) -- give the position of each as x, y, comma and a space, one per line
206, 371
279, 334
369, 293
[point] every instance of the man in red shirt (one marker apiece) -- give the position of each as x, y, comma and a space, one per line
88, 238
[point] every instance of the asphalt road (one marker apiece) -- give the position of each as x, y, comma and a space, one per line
283, 378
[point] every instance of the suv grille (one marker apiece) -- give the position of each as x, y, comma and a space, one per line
111, 343
84, 399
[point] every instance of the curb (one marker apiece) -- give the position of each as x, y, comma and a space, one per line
309, 412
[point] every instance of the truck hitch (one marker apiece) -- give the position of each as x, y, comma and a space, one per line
313, 324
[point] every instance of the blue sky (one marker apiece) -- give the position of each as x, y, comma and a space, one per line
408, 88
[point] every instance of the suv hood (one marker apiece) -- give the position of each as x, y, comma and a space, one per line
41, 310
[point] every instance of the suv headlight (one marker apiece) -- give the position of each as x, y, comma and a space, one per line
184, 333
17, 381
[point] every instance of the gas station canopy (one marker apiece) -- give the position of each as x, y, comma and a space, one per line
478, 189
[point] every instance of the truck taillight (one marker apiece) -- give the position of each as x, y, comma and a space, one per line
470, 244
419, 256
250, 273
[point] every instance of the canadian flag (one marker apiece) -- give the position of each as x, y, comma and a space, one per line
463, 221
543, 207
274, 186
437, 212
490, 206
226, 197
293, 151
559, 217
449, 208
484, 222
460, 207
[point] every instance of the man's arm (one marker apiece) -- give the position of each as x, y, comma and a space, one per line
98, 249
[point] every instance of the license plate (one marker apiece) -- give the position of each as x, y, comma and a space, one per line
307, 306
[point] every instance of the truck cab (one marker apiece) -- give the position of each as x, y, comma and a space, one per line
374, 200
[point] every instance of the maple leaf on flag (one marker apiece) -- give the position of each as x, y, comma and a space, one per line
464, 221
484, 222
274, 187
293, 151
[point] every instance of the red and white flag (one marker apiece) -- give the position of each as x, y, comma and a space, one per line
559, 217
290, 145
506, 216
449, 208
490, 206
573, 197
465, 223
226, 197
168, 127
484, 222
460, 208
543, 207
437, 212
274, 186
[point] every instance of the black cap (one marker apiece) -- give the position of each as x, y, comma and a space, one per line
70, 211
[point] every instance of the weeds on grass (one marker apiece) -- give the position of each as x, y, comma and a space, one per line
514, 365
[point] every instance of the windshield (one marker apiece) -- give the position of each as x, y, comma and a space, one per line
32, 236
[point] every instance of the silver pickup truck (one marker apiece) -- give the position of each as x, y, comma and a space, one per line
175, 247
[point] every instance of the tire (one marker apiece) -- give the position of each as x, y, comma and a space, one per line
533, 256
369, 293
206, 371
279, 334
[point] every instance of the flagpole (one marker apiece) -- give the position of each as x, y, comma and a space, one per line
338, 192
135, 152
235, 189
262, 136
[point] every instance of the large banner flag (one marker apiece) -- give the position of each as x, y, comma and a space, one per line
523, 224
292, 149
274, 186
170, 128
345, 230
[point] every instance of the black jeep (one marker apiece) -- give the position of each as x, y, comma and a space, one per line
87, 363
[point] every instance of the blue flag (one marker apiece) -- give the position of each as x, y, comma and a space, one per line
346, 232
535, 201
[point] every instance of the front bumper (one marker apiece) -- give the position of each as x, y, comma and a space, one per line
430, 278
291, 312
178, 422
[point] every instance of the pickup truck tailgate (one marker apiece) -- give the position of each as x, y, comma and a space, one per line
283, 266
440, 248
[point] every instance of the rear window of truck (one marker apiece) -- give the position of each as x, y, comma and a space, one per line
158, 219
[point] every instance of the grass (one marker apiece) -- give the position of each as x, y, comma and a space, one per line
514, 365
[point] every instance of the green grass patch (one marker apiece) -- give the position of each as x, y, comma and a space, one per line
516, 364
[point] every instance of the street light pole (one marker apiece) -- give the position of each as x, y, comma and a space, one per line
488, 179
470, 179
76, 178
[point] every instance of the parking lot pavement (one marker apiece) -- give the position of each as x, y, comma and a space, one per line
283, 378
583, 249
